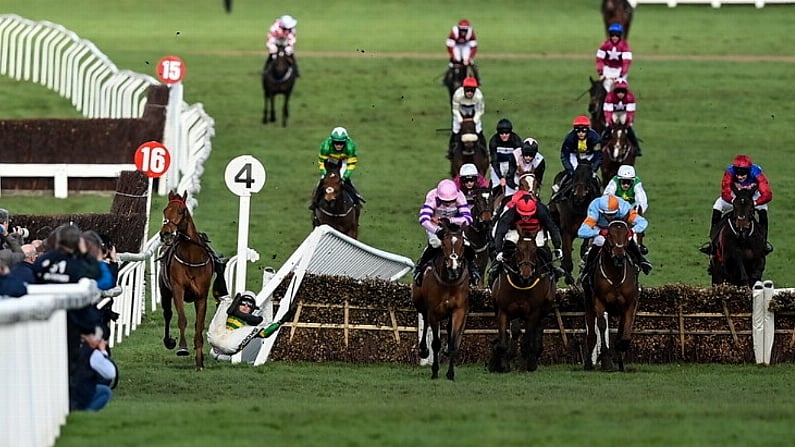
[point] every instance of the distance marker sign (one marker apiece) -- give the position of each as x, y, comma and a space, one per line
245, 175
152, 158
170, 69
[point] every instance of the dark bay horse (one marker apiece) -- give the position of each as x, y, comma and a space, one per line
617, 11
596, 101
617, 151
614, 289
740, 256
278, 78
469, 150
570, 206
186, 270
455, 74
478, 233
524, 290
444, 295
336, 208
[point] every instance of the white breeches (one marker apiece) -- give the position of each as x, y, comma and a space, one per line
457, 126
611, 75
462, 52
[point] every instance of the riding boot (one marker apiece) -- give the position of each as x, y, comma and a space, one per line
316, 197
482, 140
426, 257
644, 263
634, 140
643, 249
452, 145
474, 271
709, 247
353, 192
606, 135
763, 224
587, 263
295, 67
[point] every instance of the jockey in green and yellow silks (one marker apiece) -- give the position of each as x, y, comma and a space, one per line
341, 148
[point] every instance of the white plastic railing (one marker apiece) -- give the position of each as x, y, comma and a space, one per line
713, 3
62, 172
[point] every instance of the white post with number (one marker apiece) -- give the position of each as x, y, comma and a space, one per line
244, 176
171, 71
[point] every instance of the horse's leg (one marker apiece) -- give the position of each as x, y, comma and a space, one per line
286, 109
266, 100
182, 321
424, 340
604, 348
534, 335
499, 351
436, 346
568, 247
198, 336
165, 302
590, 337
458, 322
625, 333
272, 105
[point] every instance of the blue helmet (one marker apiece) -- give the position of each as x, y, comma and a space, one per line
615, 28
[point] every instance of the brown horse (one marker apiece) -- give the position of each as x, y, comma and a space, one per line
740, 256
524, 290
617, 11
596, 101
336, 208
186, 270
569, 207
614, 289
470, 149
278, 78
455, 74
478, 233
444, 295
617, 151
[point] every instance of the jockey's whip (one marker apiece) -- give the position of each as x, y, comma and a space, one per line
444, 129
583, 94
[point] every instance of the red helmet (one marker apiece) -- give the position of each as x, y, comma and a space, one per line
742, 161
526, 205
470, 82
582, 120
463, 23
621, 85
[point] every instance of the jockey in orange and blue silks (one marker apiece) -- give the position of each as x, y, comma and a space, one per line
743, 173
603, 210
444, 202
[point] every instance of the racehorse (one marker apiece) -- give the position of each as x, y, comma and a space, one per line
336, 207
278, 78
478, 233
469, 150
618, 151
186, 269
614, 289
740, 256
455, 74
525, 290
617, 11
528, 183
444, 295
597, 94
569, 206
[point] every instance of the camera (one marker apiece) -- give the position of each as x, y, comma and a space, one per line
22, 231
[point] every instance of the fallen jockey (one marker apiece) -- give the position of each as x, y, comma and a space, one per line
235, 324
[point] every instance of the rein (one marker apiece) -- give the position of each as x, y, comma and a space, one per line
607, 276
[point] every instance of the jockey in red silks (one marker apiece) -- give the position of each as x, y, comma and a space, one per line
619, 107
613, 58
462, 43
282, 29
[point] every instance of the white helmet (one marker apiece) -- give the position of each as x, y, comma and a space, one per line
288, 21
626, 172
468, 170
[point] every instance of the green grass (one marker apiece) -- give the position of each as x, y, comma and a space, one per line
695, 114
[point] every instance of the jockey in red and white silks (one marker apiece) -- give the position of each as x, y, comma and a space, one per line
462, 43
282, 28
613, 58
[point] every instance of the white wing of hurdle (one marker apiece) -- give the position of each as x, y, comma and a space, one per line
763, 326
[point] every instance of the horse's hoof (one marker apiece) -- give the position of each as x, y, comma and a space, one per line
169, 343
589, 367
424, 353
450, 375
182, 352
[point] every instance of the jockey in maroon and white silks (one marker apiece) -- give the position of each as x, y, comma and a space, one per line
619, 106
282, 28
462, 43
613, 58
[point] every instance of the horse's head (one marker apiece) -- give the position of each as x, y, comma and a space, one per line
617, 147
469, 139
742, 216
176, 218
453, 245
597, 96
332, 186
617, 240
481, 209
524, 257
581, 184
528, 183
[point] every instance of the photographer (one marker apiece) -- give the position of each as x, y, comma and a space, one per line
11, 240
94, 371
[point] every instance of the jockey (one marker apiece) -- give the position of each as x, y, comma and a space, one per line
462, 44
527, 213
503, 163
469, 181
601, 211
231, 334
529, 160
582, 143
619, 107
444, 202
340, 147
628, 186
468, 103
741, 174
613, 57
282, 29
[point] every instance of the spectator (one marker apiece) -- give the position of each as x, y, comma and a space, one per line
24, 270
93, 246
11, 240
95, 371
10, 285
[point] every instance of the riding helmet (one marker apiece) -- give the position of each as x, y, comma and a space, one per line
446, 190
463, 23
526, 205
504, 125
468, 170
608, 204
247, 297
339, 134
615, 28
626, 172
288, 21
529, 147
470, 82
742, 161
620, 85
582, 120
